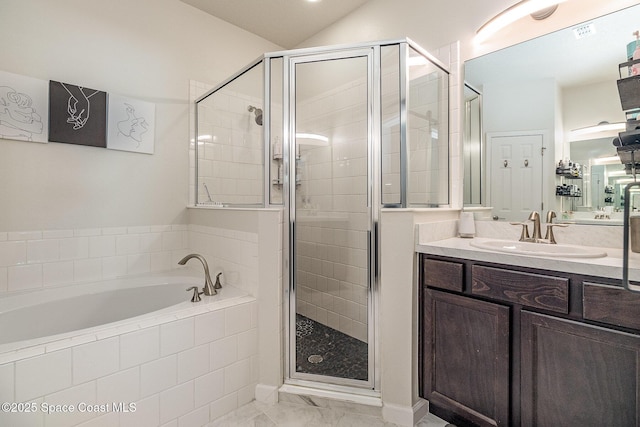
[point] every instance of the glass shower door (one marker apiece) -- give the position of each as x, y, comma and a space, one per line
330, 204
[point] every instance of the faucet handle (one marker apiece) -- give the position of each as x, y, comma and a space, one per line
549, 235
196, 294
218, 285
524, 235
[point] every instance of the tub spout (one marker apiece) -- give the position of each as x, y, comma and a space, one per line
208, 286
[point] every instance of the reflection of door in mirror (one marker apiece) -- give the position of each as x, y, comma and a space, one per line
472, 147
515, 174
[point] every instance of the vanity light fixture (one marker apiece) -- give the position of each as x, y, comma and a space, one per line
597, 131
538, 9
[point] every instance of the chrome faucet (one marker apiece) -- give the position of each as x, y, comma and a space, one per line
535, 217
208, 288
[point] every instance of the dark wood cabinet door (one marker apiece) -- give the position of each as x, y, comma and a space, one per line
466, 358
575, 374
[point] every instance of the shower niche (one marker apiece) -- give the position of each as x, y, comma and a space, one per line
331, 135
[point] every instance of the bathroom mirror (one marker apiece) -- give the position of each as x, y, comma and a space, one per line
552, 85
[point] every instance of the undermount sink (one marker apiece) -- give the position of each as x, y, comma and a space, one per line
538, 249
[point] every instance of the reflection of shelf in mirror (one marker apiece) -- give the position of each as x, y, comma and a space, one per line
567, 175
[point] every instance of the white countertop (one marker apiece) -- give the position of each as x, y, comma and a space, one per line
609, 266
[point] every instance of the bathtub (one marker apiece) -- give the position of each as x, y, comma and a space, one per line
142, 336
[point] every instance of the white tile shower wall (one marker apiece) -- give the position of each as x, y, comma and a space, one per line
231, 149
183, 374
31, 260
332, 223
234, 253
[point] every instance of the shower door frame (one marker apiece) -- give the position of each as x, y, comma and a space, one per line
371, 386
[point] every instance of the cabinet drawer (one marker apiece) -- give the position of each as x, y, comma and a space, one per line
611, 304
443, 274
527, 289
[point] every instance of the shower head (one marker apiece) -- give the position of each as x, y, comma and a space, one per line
258, 113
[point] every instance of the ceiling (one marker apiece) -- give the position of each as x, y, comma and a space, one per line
286, 23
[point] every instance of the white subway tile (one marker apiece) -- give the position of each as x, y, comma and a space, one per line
197, 418
6, 383
83, 393
108, 420
159, 228
24, 277
209, 327
176, 401
123, 386
13, 253
247, 394
247, 344
138, 229
192, 363
128, 244
224, 352
139, 347
3, 236
57, 273
86, 270
43, 250
112, 231
22, 419
96, 359
158, 375
43, 374
209, 387
115, 266
4, 279
172, 240
24, 235
138, 264
151, 242
85, 232
223, 406
237, 376
102, 246
159, 261
237, 319
74, 248
147, 413
176, 336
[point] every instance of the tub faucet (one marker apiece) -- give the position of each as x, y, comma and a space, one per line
218, 285
208, 288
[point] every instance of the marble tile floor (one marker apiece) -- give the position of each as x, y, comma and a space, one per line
290, 414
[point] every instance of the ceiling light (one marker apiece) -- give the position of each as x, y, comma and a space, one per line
539, 9
612, 160
601, 130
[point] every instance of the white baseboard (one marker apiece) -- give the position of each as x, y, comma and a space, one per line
267, 393
405, 415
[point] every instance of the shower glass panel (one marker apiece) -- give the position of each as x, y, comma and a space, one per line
427, 131
390, 105
332, 219
230, 148
276, 159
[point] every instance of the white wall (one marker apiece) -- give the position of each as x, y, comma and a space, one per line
146, 49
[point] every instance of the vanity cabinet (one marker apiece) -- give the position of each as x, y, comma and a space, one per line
513, 346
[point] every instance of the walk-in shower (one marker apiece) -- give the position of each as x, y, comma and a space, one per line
332, 135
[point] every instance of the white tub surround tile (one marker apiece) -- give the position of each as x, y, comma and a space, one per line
123, 386
7, 383
139, 347
147, 413
193, 363
176, 401
237, 319
158, 375
196, 418
4, 279
209, 387
211, 328
24, 277
81, 396
39, 251
109, 420
224, 352
176, 336
223, 406
95, 360
40, 375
